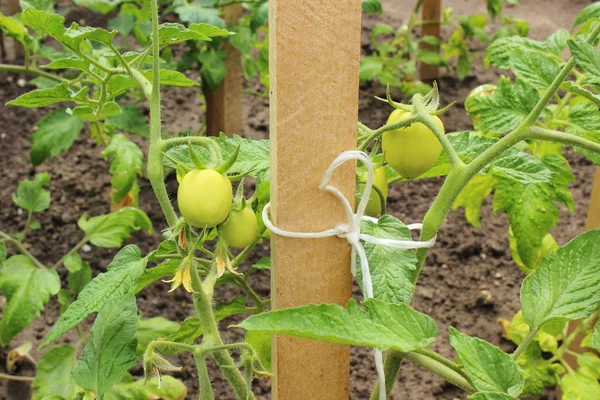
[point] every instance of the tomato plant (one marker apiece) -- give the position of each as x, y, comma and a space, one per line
515, 155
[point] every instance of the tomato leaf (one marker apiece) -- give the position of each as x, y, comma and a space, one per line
80, 273
111, 347
372, 6
125, 167
536, 68
391, 269
44, 97
538, 372
531, 209
579, 385
261, 344
151, 329
198, 11
501, 51
53, 374
56, 133
31, 194
472, 196
171, 78
68, 63
491, 396
212, 67
566, 284
162, 270
583, 118
131, 120
596, 337
572, 87
382, 325
589, 12
165, 388
488, 367
505, 108
3, 252
27, 289
119, 281
587, 58
110, 230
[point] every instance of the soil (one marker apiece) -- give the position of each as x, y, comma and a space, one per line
469, 281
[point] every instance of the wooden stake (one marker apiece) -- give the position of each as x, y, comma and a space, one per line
314, 59
432, 11
224, 107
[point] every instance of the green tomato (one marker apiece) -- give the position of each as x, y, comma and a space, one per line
240, 229
413, 150
380, 181
204, 198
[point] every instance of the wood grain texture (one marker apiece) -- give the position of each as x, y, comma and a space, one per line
224, 106
593, 215
431, 11
314, 60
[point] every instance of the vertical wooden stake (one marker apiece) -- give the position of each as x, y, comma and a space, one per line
432, 11
224, 107
314, 59
10, 49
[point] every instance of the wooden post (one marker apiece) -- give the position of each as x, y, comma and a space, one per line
10, 49
224, 107
314, 59
432, 11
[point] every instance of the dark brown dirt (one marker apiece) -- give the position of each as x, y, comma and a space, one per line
464, 262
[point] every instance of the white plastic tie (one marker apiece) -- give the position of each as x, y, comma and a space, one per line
351, 232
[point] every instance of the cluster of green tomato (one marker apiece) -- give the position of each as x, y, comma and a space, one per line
205, 199
410, 151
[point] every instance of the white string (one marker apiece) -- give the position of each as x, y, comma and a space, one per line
351, 232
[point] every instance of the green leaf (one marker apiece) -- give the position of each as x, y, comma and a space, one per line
263, 263
126, 165
44, 97
491, 396
589, 12
209, 30
93, 114
503, 109
579, 386
31, 194
56, 133
76, 34
119, 281
165, 388
122, 23
587, 58
501, 51
80, 273
572, 87
171, 78
537, 69
68, 63
488, 367
110, 230
27, 289
151, 329
198, 11
372, 6
171, 33
162, 270
3, 252
212, 67
472, 196
53, 373
261, 343
392, 269
370, 67
131, 120
111, 347
566, 284
48, 23
538, 373
101, 6
596, 337
583, 117
531, 209
119, 84
13, 28
382, 325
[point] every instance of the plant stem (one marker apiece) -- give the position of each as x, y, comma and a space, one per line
526, 341
561, 137
75, 249
16, 378
27, 223
389, 127
205, 387
441, 370
20, 69
21, 249
391, 368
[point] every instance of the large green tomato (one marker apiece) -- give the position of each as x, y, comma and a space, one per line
413, 150
380, 181
204, 198
240, 229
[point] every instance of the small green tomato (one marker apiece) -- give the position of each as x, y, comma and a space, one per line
240, 229
380, 182
204, 198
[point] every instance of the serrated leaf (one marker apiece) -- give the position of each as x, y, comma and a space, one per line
579, 386
566, 284
31, 194
93, 114
263, 263
68, 63
171, 78
53, 373
472, 196
162, 270
163, 388
109, 230
538, 69
101, 6
538, 373
501, 51
172, 33
56, 133
111, 347
48, 23
13, 28
382, 325
596, 337
491, 396
198, 11
131, 120
212, 67
505, 108
587, 58
119, 281
151, 329
76, 34
80, 273
27, 289
126, 166
372, 6
488, 367
370, 66
261, 344
583, 117
209, 30
391, 269
44, 97
531, 209
572, 87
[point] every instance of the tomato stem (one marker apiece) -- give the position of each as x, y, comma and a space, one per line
561, 137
